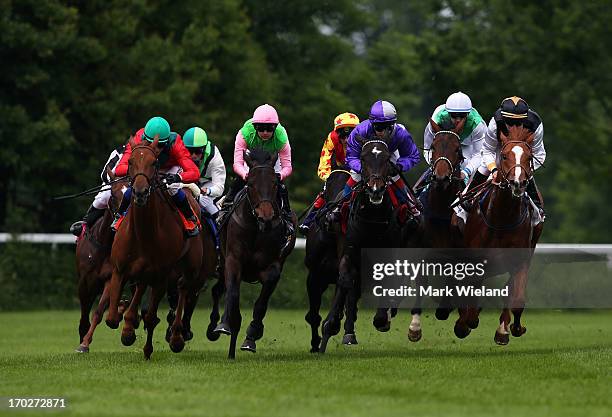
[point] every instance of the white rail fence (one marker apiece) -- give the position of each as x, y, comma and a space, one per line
55, 239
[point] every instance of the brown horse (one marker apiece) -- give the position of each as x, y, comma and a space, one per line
255, 247
502, 218
149, 247
444, 183
94, 269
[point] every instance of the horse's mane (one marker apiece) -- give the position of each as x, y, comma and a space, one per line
518, 133
447, 124
260, 156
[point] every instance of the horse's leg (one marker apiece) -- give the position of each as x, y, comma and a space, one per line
461, 329
517, 300
177, 342
172, 304
86, 299
331, 324
116, 285
190, 305
128, 334
151, 319
269, 279
502, 334
351, 315
315, 289
232, 319
96, 319
217, 291
414, 329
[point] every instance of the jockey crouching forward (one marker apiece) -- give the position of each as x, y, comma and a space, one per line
513, 111
458, 107
382, 125
100, 203
174, 158
263, 131
333, 147
210, 163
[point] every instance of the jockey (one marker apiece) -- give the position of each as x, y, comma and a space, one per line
173, 158
382, 125
334, 146
513, 111
458, 106
207, 157
97, 208
264, 131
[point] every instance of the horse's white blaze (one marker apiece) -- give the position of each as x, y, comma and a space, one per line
376, 151
518, 153
415, 324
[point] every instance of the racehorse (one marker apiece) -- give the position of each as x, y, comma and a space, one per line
444, 183
502, 218
322, 246
149, 246
94, 269
254, 246
372, 222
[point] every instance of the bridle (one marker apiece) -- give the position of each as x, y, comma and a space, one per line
262, 224
152, 182
453, 168
504, 173
367, 178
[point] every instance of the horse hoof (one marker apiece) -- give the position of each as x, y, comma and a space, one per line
517, 331
223, 328
177, 344
248, 345
415, 335
187, 335
128, 339
461, 331
501, 339
331, 328
211, 334
82, 349
473, 324
255, 332
314, 349
381, 322
112, 324
147, 352
442, 313
349, 339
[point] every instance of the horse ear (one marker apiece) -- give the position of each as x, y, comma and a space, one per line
460, 126
434, 126
246, 154
132, 141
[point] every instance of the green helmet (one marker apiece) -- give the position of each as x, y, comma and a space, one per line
195, 137
157, 126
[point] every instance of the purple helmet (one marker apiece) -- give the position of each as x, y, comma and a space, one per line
382, 111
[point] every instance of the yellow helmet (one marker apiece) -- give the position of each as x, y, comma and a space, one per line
345, 120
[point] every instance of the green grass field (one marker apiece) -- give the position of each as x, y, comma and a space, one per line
561, 367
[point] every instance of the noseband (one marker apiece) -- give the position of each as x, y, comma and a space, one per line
263, 225
151, 182
504, 182
453, 168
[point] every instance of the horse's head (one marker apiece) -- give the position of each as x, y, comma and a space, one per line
143, 167
117, 188
262, 185
375, 164
446, 154
516, 161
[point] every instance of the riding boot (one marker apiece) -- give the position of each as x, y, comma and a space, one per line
90, 218
182, 203
305, 226
286, 209
123, 207
534, 194
236, 186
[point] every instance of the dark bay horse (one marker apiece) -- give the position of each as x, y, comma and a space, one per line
444, 183
149, 247
322, 246
502, 218
373, 223
255, 247
94, 269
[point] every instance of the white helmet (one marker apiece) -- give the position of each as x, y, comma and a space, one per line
458, 103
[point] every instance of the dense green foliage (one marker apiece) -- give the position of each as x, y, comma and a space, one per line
79, 76
561, 367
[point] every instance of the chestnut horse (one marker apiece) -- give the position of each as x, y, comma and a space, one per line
254, 245
149, 247
94, 269
502, 218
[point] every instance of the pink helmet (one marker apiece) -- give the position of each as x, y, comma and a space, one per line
265, 114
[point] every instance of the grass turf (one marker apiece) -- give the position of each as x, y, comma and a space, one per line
561, 367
